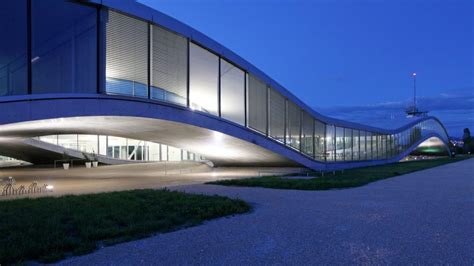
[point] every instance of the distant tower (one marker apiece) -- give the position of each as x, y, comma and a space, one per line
412, 111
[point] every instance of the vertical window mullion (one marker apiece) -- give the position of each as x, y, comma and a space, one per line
267, 101
245, 99
149, 55
301, 131
343, 144
219, 94
314, 140
188, 102
324, 142
98, 51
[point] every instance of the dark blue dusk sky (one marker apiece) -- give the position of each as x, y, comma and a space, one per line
351, 59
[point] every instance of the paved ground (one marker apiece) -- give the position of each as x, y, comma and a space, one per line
425, 217
80, 180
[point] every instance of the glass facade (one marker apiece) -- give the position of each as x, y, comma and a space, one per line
319, 141
293, 126
79, 48
362, 145
307, 134
232, 93
126, 69
330, 143
355, 145
169, 66
257, 104
64, 47
368, 146
13, 53
203, 79
347, 144
339, 144
379, 147
277, 115
120, 148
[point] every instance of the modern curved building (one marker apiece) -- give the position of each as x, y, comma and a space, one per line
128, 83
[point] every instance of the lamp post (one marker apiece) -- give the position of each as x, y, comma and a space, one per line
414, 91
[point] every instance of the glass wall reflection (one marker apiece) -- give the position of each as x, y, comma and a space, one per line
13, 48
64, 47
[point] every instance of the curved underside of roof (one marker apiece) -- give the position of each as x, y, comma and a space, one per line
221, 141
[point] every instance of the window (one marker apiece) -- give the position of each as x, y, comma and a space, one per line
319, 131
126, 55
277, 115
294, 126
347, 144
369, 146
331, 142
164, 152
363, 146
154, 152
257, 104
385, 141
174, 154
52, 139
307, 134
117, 148
378, 146
393, 145
169, 66
398, 143
339, 144
68, 141
232, 93
13, 48
102, 145
64, 47
355, 146
88, 143
203, 78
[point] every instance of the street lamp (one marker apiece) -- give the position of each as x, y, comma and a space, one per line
414, 91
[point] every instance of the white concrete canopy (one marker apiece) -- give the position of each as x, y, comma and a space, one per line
219, 148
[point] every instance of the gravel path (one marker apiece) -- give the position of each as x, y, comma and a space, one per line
425, 217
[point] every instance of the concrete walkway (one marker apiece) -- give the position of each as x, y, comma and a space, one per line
81, 180
425, 217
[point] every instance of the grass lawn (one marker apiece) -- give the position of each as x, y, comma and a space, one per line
49, 229
349, 178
